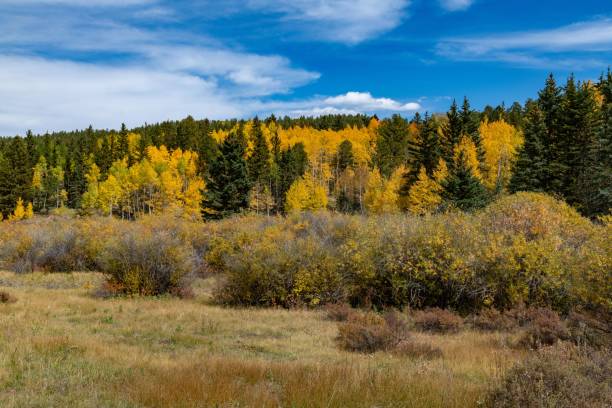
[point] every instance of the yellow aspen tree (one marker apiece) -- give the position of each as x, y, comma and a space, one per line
29, 211
19, 212
467, 146
501, 142
305, 194
381, 195
424, 195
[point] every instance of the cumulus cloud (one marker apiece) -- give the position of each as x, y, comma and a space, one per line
536, 48
456, 5
348, 103
364, 101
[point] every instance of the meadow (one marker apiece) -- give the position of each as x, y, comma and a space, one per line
504, 307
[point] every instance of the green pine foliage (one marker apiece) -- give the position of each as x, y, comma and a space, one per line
228, 183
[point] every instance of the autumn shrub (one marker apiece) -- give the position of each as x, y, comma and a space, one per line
53, 244
544, 328
146, 262
437, 320
371, 332
492, 320
563, 376
590, 330
338, 312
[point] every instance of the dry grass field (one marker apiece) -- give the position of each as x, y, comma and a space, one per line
61, 346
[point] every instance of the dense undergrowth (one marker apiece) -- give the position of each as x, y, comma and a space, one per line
526, 248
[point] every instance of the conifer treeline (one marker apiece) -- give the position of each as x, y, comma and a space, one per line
559, 144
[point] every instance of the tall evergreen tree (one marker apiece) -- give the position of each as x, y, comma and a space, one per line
227, 184
530, 172
259, 161
392, 145
123, 145
452, 131
462, 189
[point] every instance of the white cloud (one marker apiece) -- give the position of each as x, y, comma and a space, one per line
344, 21
456, 5
348, 103
43, 95
535, 48
364, 101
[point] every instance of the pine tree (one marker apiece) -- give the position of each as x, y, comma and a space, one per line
15, 174
227, 184
344, 157
207, 147
463, 190
259, 161
529, 173
123, 146
392, 145
292, 165
452, 131
469, 126
601, 153
549, 102
259, 167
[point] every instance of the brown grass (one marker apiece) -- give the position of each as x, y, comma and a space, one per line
61, 346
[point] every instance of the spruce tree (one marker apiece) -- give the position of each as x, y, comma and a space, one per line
452, 131
123, 145
392, 145
227, 184
259, 161
529, 172
462, 189
601, 153
549, 101
344, 158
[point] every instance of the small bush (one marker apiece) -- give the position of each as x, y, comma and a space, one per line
437, 320
6, 297
338, 312
545, 328
146, 263
563, 376
493, 320
589, 330
370, 332
414, 349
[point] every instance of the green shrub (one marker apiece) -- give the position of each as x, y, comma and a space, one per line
563, 376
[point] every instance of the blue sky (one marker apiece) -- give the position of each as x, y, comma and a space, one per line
65, 64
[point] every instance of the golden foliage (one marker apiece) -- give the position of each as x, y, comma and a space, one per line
382, 195
305, 194
501, 142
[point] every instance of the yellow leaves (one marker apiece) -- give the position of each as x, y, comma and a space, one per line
20, 212
441, 172
424, 195
468, 148
163, 180
501, 142
305, 194
382, 195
